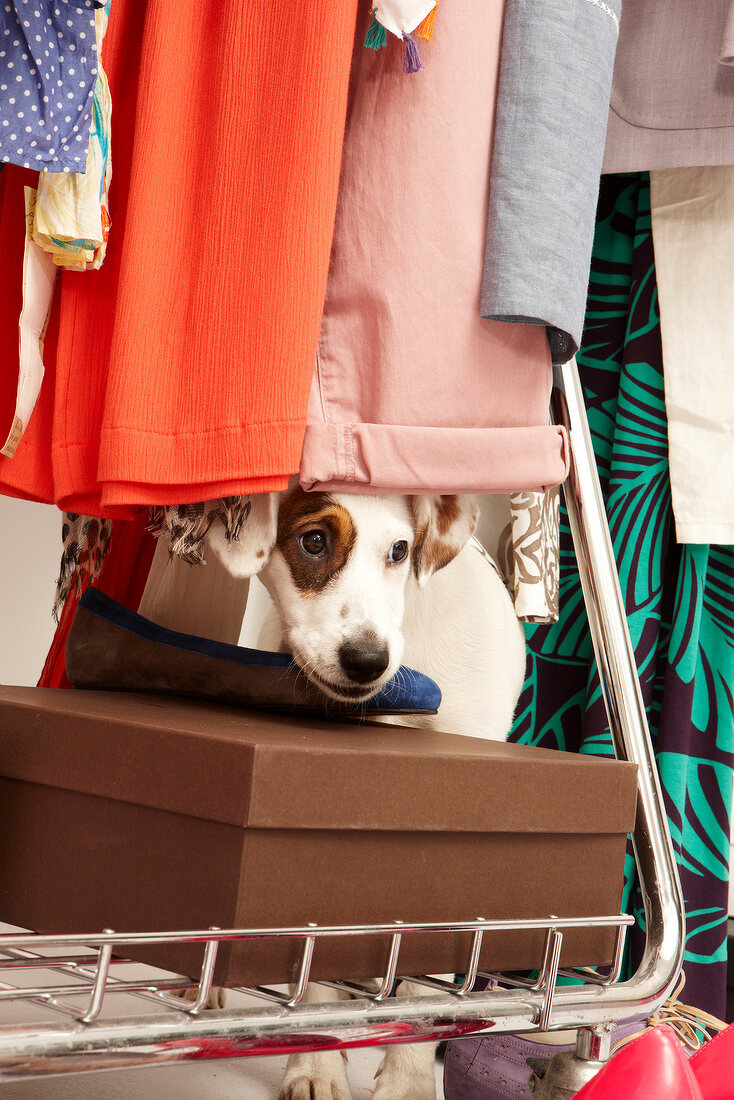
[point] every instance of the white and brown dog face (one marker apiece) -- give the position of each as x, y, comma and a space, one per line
338, 571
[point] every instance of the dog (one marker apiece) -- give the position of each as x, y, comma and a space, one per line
361, 584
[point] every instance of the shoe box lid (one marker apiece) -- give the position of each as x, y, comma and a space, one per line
261, 770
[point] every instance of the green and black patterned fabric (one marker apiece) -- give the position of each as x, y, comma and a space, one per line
679, 599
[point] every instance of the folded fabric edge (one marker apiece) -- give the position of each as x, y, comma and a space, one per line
631, 147
704, 532
383, 458
561, 339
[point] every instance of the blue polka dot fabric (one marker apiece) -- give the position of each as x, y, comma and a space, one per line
48, 69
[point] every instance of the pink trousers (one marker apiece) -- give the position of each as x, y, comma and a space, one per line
413, 392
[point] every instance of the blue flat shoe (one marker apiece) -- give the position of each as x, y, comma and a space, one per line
111, 648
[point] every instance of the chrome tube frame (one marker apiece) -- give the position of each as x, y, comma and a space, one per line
88, 1041
660, 886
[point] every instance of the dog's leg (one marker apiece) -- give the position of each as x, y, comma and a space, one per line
318, 1074
408, 1069
217, 996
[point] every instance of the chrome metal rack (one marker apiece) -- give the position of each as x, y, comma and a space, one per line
81, 980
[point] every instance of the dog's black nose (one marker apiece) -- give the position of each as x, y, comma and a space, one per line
363, 663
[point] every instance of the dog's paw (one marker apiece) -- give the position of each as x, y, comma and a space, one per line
317, 1076
398, 1079
217, 996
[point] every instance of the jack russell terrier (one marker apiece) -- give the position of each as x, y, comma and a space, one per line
349, 579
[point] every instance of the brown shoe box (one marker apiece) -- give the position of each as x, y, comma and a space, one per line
140, 813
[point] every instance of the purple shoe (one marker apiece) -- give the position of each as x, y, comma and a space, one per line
495, 1067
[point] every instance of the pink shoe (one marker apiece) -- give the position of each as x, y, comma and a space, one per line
713, 1066
652, 1067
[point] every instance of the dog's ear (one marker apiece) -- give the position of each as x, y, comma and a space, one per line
243, 532
443, 526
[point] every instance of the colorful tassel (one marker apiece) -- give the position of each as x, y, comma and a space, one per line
425, 31
412, 60
376, 36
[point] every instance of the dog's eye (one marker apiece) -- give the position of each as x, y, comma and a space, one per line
313, 543
398, 552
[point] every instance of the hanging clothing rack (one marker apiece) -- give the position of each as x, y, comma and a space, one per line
183, 1032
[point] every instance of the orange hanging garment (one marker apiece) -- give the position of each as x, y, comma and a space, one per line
180, 371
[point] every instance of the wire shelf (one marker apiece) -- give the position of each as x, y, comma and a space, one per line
93, 1014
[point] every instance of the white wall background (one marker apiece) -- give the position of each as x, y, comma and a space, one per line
30, 552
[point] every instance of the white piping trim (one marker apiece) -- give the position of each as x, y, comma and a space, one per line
607, 11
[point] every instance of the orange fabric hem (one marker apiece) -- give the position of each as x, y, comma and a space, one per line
224, 454
75, 487
122, 492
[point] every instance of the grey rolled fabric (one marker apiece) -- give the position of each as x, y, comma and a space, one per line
552, 108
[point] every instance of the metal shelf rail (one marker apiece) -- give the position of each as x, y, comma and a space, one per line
81, 978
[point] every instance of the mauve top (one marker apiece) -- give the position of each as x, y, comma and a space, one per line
672, 103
